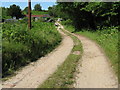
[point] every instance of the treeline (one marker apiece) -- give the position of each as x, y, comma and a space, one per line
16, 11
12, 11
90, 15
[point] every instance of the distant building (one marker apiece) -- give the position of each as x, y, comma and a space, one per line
36, 18
14, 17
10, 20
20, 18
40, 17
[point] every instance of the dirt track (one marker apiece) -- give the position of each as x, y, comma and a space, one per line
36, 73
95, 70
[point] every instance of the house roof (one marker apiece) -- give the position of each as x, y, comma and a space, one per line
39, 15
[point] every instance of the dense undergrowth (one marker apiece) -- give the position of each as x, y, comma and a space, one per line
107, 38
21, 46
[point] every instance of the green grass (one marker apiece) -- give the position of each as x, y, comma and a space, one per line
63, 77
21, 46
39, 12
36, 12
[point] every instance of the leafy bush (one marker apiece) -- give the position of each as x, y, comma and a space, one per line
68, 25
21, 46
14, 55
67, 22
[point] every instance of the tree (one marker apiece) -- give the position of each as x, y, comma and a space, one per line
4, 12
106, 14
26, 10
37, 7
90, 14
52, 11
14, 11
80, 18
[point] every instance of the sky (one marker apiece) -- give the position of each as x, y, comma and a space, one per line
44, 3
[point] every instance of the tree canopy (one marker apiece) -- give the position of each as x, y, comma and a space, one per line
88, 14
37, 7
14, 11
25, 10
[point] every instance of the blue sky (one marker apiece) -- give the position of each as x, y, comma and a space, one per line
45, 4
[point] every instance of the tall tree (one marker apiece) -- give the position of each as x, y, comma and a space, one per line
4, 13
91, 14
37, 7
25, 10
53, 11
80, 18
14, 11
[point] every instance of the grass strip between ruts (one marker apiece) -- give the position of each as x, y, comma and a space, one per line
64, 75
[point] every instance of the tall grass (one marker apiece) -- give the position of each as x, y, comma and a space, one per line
21, 46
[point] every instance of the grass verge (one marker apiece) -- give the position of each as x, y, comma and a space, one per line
63, 77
